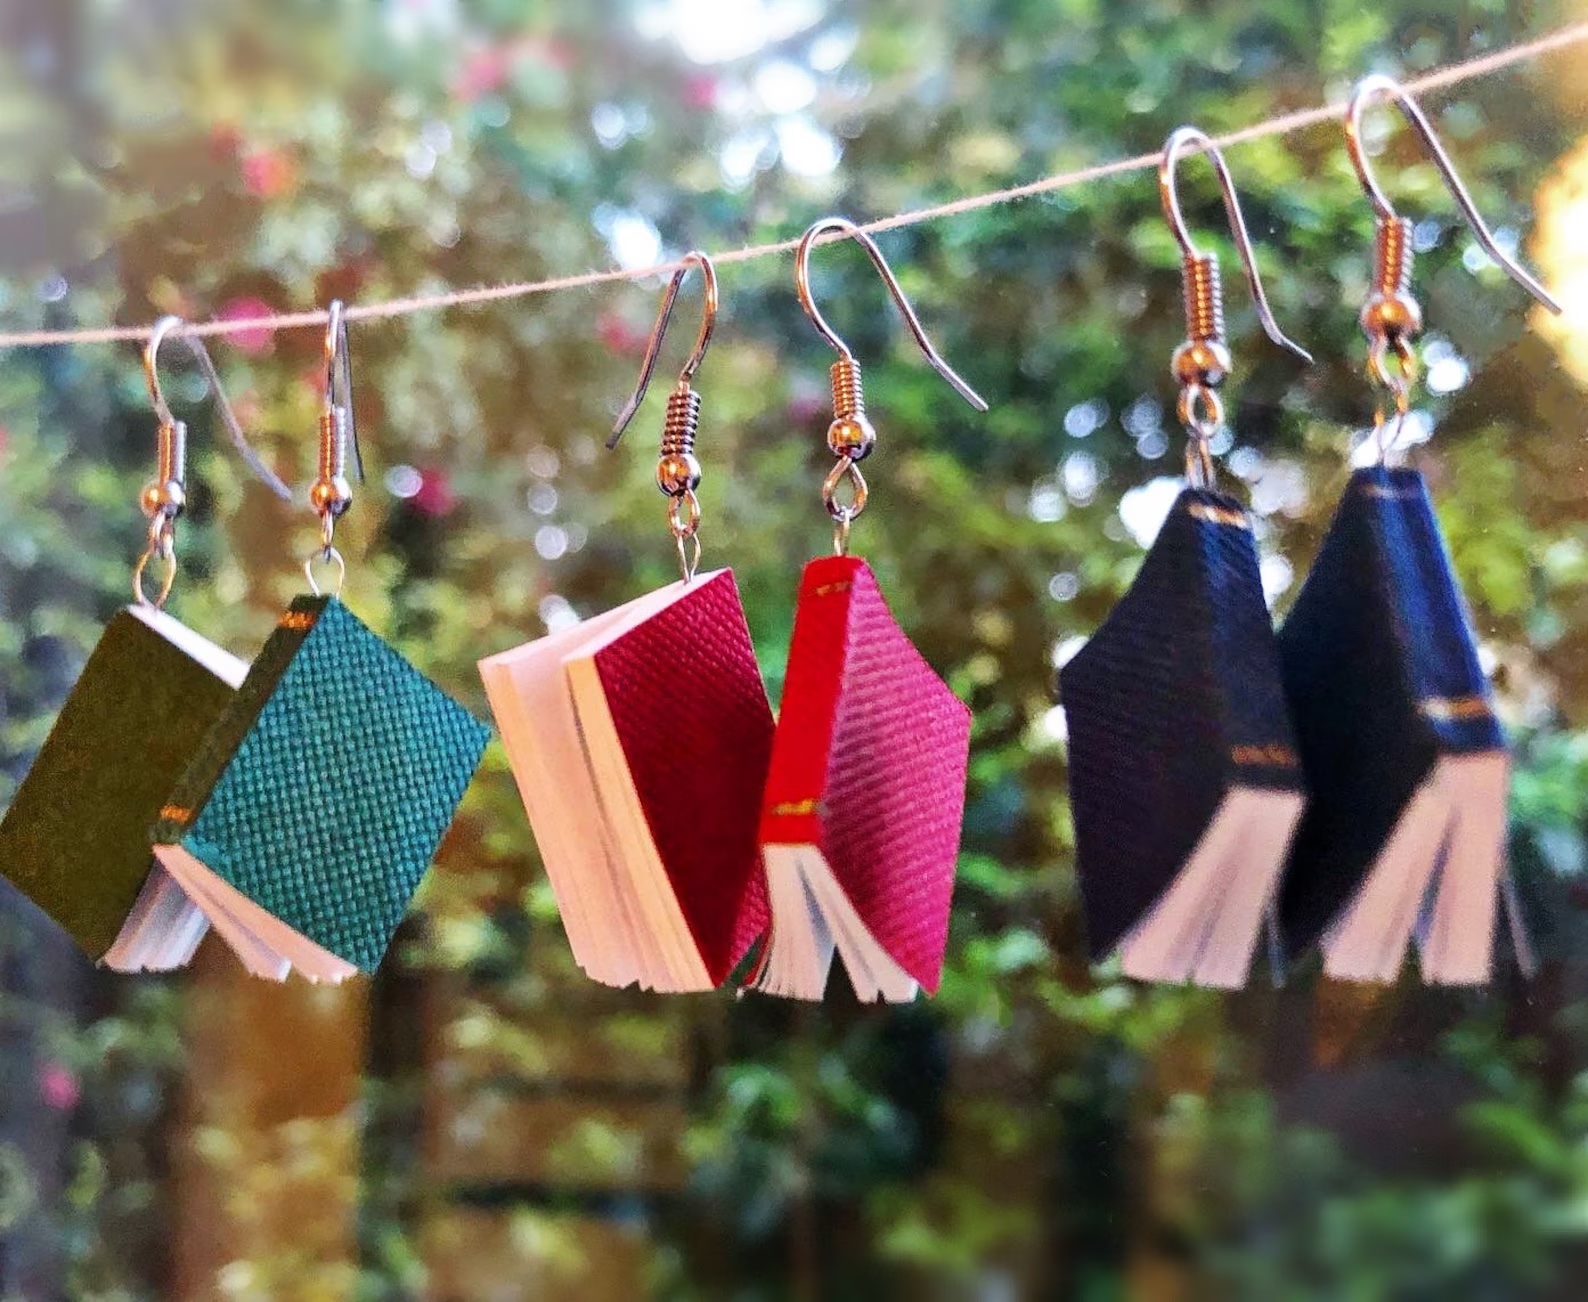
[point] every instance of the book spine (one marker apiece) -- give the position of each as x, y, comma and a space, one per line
186, 801
1259, 742
791, 813
1430, 616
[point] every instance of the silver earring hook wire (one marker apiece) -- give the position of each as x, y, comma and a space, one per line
339, 377
163, 329
802, 283
1179, 141
708, 323
1371, 90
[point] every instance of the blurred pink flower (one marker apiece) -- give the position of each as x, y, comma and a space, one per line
482, 72
435, 496
619, 336
58, 1086
700, 91
246, 309
268, 173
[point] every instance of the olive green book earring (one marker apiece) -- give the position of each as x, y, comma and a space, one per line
76, 838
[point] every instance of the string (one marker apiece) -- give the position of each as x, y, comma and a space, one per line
1284, 124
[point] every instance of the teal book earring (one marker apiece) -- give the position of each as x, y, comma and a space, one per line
76, 838
319, 797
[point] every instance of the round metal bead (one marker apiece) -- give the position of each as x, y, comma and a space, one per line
852, 437
166, 497
1391, 316
678, 473
1200, 362
331, 496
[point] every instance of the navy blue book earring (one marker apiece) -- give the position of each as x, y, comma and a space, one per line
1184, 779
1406, 763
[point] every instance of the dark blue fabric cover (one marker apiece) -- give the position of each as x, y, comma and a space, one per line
1175, 699
1382, 674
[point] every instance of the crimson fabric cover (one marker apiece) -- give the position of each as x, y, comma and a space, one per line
868, 763
690, 709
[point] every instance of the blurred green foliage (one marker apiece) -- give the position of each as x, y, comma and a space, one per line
1039, 1129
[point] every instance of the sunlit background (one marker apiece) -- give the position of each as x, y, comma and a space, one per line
478, 1121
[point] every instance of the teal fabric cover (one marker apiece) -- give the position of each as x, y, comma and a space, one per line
334, 795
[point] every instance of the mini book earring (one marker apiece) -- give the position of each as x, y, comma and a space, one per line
861, 821
640, 740
1405, 833
76, 838
1184, 780
306, 819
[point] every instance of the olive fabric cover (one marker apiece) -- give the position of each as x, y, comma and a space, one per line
76, 837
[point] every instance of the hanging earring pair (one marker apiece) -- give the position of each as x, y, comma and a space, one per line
1404, 835
305, 819
861, 818
640, 739
1184, 779
76, 838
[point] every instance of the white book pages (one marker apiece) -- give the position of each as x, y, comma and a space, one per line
1438, 878
647, 886
798, 952
1205, 927
818, 921
1367, 940
162, 931
623, 920
1224, 960
266, 946
534, 711
1457, 945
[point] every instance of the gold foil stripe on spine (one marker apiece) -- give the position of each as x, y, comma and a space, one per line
827, 589
175, 813
1274, 757
1219, 515
296, 620
1457, 708
795, 808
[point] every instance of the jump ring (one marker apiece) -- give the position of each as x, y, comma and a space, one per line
683, 514
1202, 424
167, 578
844, 512
329, 556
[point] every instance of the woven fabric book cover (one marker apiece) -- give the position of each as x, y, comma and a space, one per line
1174, 703
323, 792
869, 763
691, 713
1382, 671
76, 837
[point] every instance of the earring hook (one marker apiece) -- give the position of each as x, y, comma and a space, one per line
331, 493
802, 283
677, 469
708, 323
1188, 137
151, 373
164, 498
1378, 87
